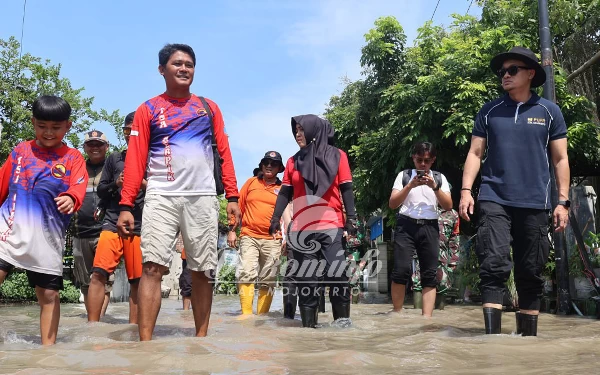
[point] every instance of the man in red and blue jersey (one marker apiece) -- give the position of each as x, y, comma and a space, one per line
171, 138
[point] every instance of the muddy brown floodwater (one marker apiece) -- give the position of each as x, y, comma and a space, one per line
378, 343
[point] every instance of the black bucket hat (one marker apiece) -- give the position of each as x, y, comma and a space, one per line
525, 55
275, 156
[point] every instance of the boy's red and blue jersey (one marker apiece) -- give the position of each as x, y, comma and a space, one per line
32, 230
171, 139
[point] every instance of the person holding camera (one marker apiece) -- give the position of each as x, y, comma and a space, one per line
417, 193
86, 226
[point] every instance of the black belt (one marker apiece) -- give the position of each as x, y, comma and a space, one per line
417, 221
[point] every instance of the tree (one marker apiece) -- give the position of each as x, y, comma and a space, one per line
383, 55
438, 89
115, 120
22, 81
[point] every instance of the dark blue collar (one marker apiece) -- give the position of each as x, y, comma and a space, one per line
535, 99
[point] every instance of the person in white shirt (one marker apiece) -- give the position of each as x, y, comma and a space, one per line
417, 193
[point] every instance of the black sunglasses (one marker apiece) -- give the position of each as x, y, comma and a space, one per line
272, 163
511, 70
126, 131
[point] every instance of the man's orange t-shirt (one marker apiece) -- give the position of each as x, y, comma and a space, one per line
257, 203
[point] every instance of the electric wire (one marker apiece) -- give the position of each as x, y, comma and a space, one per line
436, 6
22, 30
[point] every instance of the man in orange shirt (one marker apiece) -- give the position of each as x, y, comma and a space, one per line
259, 251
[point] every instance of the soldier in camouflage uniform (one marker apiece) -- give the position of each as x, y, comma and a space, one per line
449, 248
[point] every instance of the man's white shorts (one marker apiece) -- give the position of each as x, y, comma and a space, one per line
196, 216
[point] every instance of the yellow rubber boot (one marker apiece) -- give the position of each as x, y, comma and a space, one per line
265, 297
246, 298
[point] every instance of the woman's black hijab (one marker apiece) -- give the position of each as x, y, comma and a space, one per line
319, 161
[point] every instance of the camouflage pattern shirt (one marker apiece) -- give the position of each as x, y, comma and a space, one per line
448, 257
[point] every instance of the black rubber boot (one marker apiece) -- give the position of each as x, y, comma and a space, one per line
493, 320
529, 324
518, 318
290, 301
322, 300
309, 317
341, 310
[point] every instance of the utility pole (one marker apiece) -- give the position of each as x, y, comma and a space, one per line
562, 267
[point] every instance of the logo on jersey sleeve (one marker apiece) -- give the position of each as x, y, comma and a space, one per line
59, 171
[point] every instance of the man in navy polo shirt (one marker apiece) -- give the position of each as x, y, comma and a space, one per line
524, 135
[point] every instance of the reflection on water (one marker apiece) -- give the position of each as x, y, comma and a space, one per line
378, 343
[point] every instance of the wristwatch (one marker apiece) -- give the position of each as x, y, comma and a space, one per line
566, 203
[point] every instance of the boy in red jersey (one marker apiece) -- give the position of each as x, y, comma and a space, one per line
171, 138
42, 183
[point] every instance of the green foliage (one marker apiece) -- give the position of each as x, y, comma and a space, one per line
433, 90
22, 81
383, 55
16, 288
550, 266
70, 294
223, 211
116, 121
468, 266
592, 244
226, 280
575, 263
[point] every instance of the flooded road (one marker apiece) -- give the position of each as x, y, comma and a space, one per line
378, 343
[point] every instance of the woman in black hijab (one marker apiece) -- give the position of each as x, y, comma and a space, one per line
318, 179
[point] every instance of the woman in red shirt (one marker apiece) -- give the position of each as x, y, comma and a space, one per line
318, 179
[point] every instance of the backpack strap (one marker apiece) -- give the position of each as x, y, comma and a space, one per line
437, 177
406, 177
218, 160
212, 124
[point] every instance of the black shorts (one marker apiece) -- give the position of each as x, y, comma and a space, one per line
185, 280
43, 280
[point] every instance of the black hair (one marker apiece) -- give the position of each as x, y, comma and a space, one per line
256, 171
129, 118
51, 108
169, 49
423, 147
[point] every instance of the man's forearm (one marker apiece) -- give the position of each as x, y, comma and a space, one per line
563, 178
472, 165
